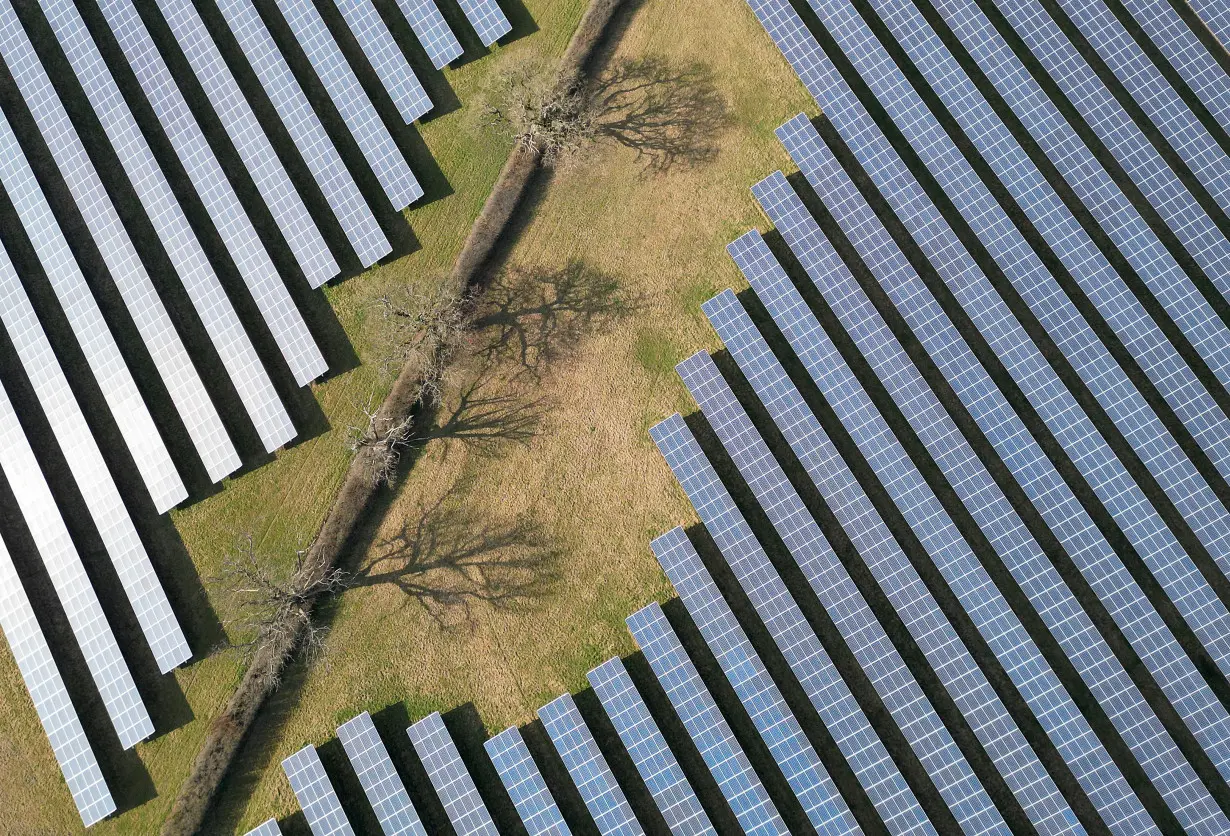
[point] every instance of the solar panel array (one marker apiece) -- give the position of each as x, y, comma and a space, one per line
524, 783
315, 793
381, 783
464, 806
430, 27
1216, 16
267, 828
487, 18
386, 58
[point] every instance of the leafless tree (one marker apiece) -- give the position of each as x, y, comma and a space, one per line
273, 608
545, 114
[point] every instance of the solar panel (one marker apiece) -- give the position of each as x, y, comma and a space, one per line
1216, 16
591, 775
1131, 414
277, 308
165, 348
430, 27
766, 707
1154, 265
386, 58
721, 752
306, 131
59, 556
268, 828
379, 778
678, 804
317, 799
953, 777
191, 265
1119, 133
1060, 718
524, 783
262, 163
487, 18
1186, 54
347, 95
1088, 550
448, 774
971, 289
38, 670
1150, 89
111, 372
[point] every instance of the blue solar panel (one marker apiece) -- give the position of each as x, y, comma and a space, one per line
1088, 550
266, 287
317, 799
1146, 84
1183, 484
1154, 265
378, 777
1073, 738
680, 808
524, 783
386, 58
1116, 130
750, 679
306, 131
1186, 54
721, 752
448, 774
430, 27
266, 828
487, 18
588, 768
1216, 16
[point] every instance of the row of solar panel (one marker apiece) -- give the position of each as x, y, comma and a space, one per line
153, 322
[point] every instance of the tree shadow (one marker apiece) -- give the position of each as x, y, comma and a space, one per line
537, 316
449, 559
669, 113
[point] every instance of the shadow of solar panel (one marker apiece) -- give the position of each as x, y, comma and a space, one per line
1106, 117
588, 768
1034, 472
454, 786
652, 757
347, 95
379, 778
317, 799
153, 323
243, 244
306, 131
239, 122
487, 18
525, 785
766, 707
1150, 89
191, 265
429, 26
721, 752
386, 58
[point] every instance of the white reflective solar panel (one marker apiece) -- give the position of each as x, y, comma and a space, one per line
1058, 714
97, 344
718, 747
1106, 117
1155, 267
317, 799
260, 276
487, 18
352, 103
386, 58
187, 257
524, 783
59, 555
237, 118
153, 323
654, 761
430, 27
454, 786
588, 768
1216, 15
1125, 406
381, 783
38, 670
306, 131
267, 828
1150, 89
765, 705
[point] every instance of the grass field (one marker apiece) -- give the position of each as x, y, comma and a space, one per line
501, 567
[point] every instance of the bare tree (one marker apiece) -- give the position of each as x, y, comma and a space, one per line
545, 114
271, 608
